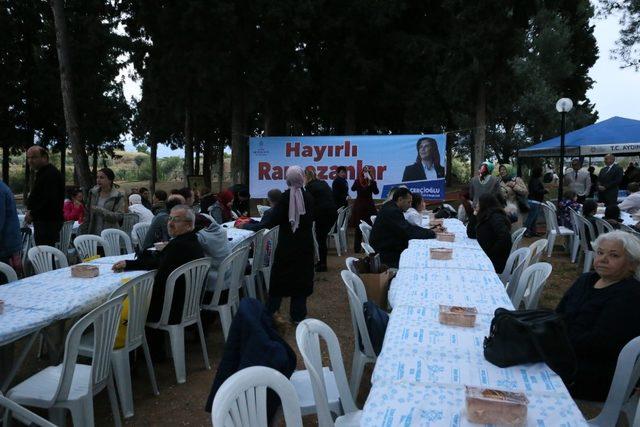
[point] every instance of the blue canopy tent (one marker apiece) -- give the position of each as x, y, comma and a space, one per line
617, 135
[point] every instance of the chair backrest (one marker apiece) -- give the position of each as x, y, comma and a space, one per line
536, 248
114, 239
209, 217
316, 249
242, 399
368, 249
269, 244
128, 220
533, 279
262, 209
373, 218
230, 277
140, 231
27, 242
138, 290
104, 319
195, 273
345, 219
42, 258
583, 225
603, 226
357, 296
8, 272
366, 231
65, 236
258, 252
350, 261
550, 218
24, 414
308, 334
516, 237
624, 381
87, 245
342, 212
514, 266
626, 228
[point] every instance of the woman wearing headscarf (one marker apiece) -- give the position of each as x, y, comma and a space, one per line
221, 209
293, 267
105, 207
513, 188
483, 183
363, 207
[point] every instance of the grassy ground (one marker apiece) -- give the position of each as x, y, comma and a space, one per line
184, 404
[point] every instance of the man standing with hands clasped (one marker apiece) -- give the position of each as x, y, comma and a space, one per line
578, 180
609, 179
46, 200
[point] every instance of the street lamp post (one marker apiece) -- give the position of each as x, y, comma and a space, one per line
564, 105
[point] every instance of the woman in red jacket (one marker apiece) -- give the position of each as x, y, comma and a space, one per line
73, 207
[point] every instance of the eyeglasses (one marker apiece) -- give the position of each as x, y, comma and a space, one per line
178, 219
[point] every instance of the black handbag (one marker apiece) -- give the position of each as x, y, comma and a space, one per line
530, 336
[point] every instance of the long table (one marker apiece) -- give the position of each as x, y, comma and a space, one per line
420, 375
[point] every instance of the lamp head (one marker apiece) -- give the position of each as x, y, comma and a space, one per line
564, 105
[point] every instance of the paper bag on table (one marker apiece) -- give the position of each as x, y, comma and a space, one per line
377, 286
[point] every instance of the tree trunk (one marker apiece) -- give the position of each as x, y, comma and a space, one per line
154, 164
220, 165
27, 182
94, 170
449, 149
5, 162
188, 147
206, 163
63, 159
480, 128
196, 163
68, 101
239, 150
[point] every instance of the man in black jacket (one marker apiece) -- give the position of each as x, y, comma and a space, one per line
391, 233
609, 180
340, 188
274, 197
46, 200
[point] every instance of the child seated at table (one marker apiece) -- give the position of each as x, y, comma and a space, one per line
569, 201
612, 216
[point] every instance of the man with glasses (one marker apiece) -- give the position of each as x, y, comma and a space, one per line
182, 248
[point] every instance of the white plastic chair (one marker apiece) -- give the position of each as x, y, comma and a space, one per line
363, 352
530, 285
586, 252
252, 284
334, 233
242, 399
373, 219
536, 248
515, 265
350, 261
209, 217
64, 243
128, 221
516, 238
231, 278
115, 240
343, 230
72, 385
366, 231
553, 229
87, 245
308, 334
195, 273
603, 226
138, 291
624, 381
8, 272
140, 231
368, 249
575, 244
42, 258
316, 249
21, 413
269, 244
262, 209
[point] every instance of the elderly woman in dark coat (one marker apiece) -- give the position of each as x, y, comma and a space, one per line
293, 267
491, 227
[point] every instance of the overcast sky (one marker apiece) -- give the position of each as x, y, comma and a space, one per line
615, 92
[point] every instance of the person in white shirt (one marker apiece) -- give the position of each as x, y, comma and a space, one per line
631, 203
578, 180
136, 206
413, 215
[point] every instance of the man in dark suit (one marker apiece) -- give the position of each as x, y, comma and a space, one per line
427, 165
609, 180
274, 197
340, 187
391, 232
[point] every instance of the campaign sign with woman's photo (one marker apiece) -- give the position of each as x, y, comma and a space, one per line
414, 161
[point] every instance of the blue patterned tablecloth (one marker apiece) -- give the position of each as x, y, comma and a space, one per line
39, 300
420, 374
